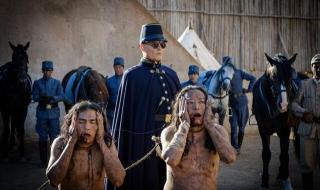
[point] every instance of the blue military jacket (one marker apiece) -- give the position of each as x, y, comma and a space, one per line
113, 84
237, 96
49, 87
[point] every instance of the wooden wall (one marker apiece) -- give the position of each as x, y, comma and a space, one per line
245, 29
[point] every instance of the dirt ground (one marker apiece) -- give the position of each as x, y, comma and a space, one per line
244, 174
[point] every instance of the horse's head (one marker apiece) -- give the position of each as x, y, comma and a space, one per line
225, 74
218, 82
280, 74
20, 60
96, 88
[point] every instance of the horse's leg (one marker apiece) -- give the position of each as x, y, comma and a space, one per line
284, 155
21, 118
5, 134
12, 132
67, 107
266, 156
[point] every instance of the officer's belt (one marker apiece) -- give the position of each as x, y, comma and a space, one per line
163, 118
47, 106
237, 95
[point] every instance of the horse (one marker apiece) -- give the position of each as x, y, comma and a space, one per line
84, 83
15, 96
272, 94
217, 83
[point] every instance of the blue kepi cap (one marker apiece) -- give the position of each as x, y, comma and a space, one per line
47, 65
193, 69
118, 61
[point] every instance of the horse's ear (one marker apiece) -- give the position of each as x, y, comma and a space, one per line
270, 60
292, 59
11, 45
26, 46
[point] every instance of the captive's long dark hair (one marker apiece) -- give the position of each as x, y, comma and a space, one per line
80, 107
175, 118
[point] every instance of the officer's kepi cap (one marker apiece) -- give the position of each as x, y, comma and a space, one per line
47, 65
193, 69
152, 32
118, 61
315, 59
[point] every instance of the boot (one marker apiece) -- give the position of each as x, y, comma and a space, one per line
307, 181
43, 154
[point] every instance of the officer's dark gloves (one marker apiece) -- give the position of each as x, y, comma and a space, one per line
46, 99
308, 117
245, 90
50, 99
43, 99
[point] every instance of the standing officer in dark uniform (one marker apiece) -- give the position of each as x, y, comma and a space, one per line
193, 74
142, 110
48, 92
238, 102
113, 84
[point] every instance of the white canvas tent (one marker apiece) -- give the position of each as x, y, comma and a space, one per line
193, 44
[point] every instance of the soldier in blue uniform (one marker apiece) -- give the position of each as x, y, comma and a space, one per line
47, 91
143, 109
193, 74
113, 84
238, 102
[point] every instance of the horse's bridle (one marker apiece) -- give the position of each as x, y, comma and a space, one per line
220, 88
273, 113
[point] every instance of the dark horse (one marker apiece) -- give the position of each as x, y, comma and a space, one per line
15, 96
84, 83
272, 93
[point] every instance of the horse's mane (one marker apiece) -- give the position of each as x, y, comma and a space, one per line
259, 94
99, 79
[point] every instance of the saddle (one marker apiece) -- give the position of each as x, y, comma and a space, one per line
75, 83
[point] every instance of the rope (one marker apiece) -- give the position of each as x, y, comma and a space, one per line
43, 185
157, 143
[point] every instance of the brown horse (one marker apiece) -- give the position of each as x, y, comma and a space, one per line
84, 83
